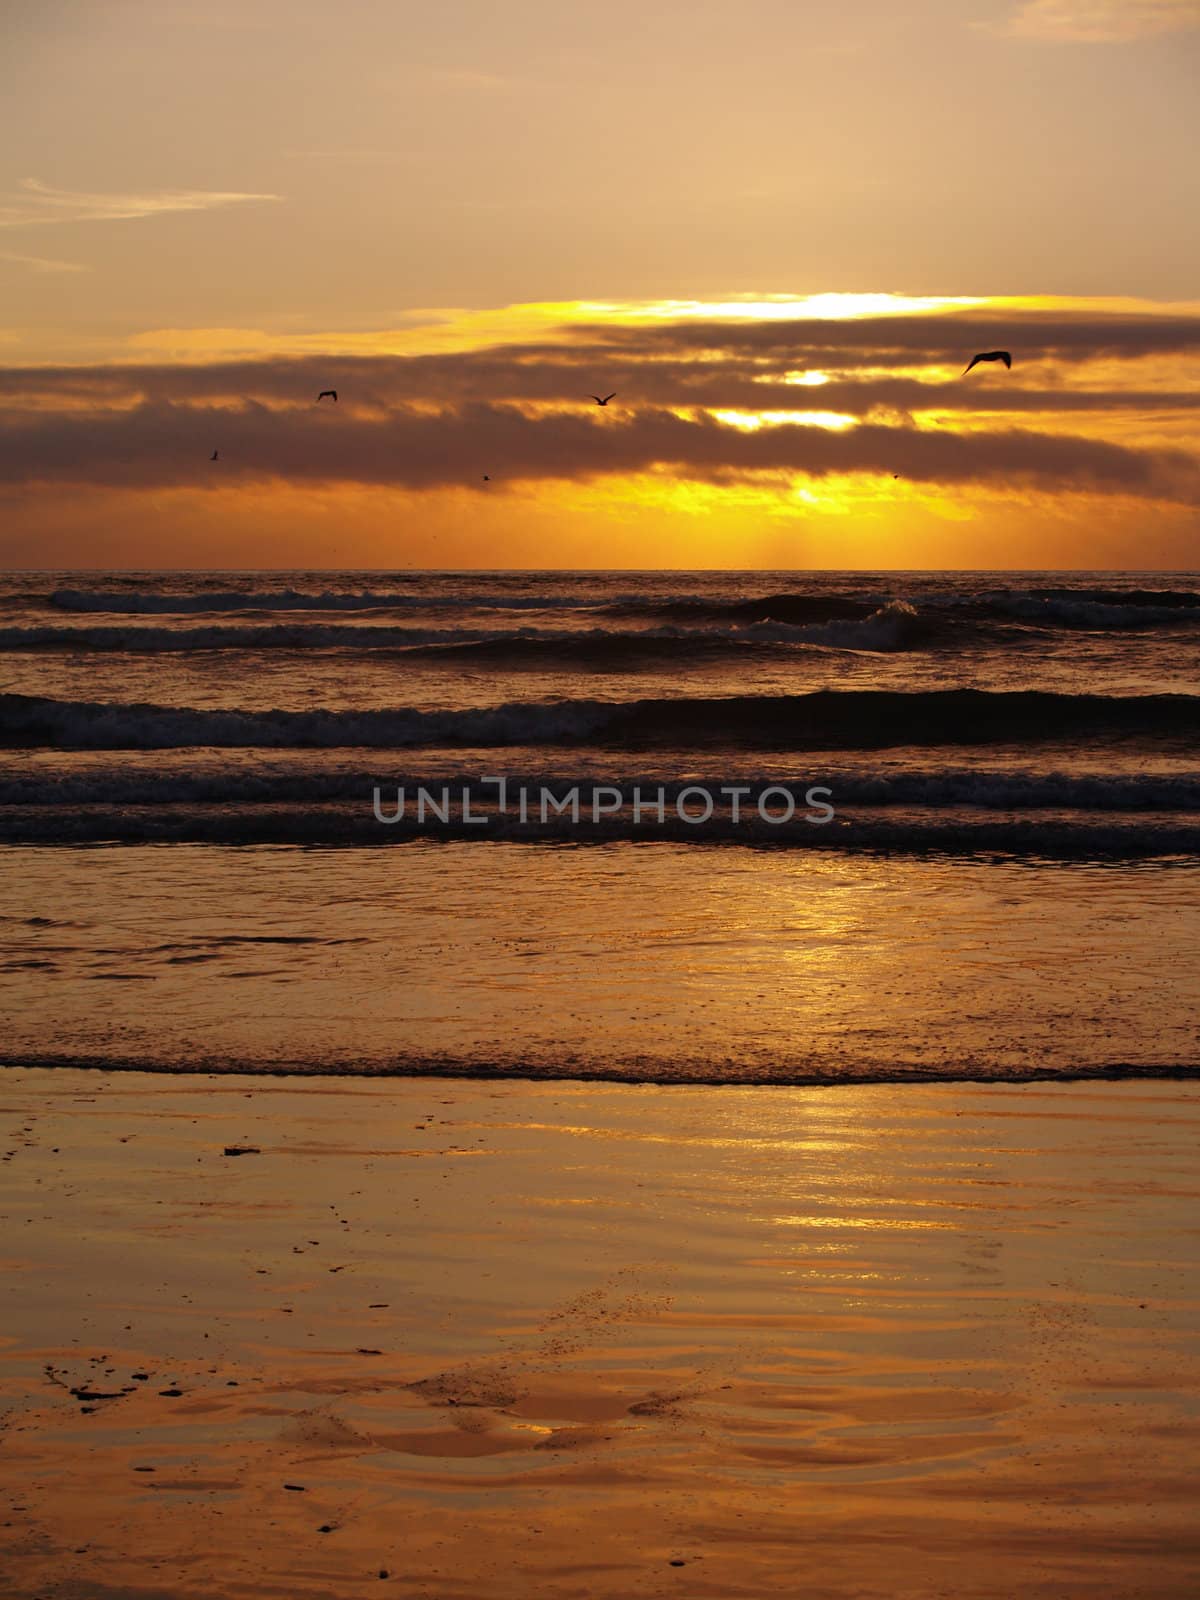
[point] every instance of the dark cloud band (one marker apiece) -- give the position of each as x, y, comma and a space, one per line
521, 411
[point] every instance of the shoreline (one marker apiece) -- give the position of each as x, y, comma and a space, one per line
662, 1077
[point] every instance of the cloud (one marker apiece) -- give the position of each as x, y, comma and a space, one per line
42, 263
37, 204
1102, 21
535, 375
159, 444
942, 339
1096, 402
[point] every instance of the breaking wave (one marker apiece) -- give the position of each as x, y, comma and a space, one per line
1054, 836
1047, 608
155, 603
893, 627
823, 720
1007, 790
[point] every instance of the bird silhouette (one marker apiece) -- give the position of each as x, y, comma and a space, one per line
989, 355
331, 393
213, 457
606, 399
486, 479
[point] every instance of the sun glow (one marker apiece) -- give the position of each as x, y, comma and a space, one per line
779, 307
435, 330
751, 421
445, 329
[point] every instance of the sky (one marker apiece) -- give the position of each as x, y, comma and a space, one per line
778, 231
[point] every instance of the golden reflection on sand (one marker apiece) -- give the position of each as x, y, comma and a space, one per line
884, 1337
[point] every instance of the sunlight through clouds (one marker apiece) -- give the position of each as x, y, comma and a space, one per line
781, 307
834, 420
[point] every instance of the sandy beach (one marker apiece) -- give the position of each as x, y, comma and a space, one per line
448, 1339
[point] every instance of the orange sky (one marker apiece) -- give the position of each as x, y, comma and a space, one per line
778, 234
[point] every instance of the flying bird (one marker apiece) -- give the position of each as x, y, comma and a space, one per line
330, 393
606, 399
213, 457
989, 355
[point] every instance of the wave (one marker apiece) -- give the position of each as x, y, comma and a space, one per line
1072, 612
1177, 598
795, 609
677, 1070
823, 720
1052, 608
893, 627
1055, 607
149, 602
915, 618
942, 789
1053, 837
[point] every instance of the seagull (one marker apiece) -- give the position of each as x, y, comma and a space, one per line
213, 457
989, 355
606, 399
331, 393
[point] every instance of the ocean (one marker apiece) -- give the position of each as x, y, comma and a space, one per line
658, 827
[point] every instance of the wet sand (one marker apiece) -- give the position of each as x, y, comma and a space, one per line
596, 1340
